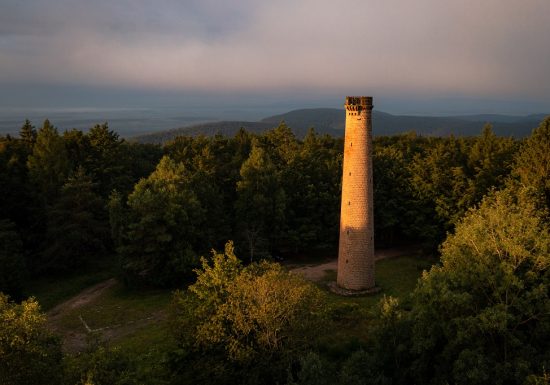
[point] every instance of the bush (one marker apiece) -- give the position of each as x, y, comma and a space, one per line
100, 365
258, 318
29, 353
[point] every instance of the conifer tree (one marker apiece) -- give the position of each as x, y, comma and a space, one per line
532, 165
77, 228
28, 134
261, 201
48, 164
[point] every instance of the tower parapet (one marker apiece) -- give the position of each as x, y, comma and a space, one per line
356, 245
358, 102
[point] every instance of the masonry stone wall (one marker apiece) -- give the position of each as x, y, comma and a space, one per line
356, 246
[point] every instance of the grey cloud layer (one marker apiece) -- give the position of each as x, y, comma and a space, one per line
466, 47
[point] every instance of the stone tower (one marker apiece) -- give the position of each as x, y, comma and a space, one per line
356, 249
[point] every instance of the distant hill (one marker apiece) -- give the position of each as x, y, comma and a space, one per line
321, 118
331, 121
495, 118
226, 128
387, 124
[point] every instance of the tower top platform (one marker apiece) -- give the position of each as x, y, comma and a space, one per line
359, 101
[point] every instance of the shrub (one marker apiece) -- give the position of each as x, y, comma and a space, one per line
258, 318
29, 353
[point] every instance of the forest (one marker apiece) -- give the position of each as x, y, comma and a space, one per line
477, 207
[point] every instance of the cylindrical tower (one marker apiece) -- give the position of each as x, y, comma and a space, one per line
356, 249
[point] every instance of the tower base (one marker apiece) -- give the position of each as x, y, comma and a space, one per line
333, 286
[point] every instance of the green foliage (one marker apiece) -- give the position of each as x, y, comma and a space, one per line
311, 181
213, 281
454, 174
261, 201
117, 217
281, 144
480, 317
542, 379
77, 230
138, 161
100, 365
439, 177
394, 210
103, 160
313, 371
484, 315
28, 134
361, 369
12, 263
257, 318
52, 289
78, 148
29, 353
17, 200
161, 228
48, 164
490, 161
533, 160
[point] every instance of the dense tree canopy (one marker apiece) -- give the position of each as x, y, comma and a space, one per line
260, 206
480, 316
483, 315
12, 263
49, 163
76, 231
273, 193
533, 160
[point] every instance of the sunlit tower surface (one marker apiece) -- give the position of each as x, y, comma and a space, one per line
356, 247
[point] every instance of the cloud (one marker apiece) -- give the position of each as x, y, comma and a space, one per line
455, 47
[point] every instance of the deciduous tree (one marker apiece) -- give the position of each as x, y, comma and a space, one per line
162, 228
29, 353
483, 316
257, 318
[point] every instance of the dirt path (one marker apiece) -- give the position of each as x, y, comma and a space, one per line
75, 338
317, 272
83, 298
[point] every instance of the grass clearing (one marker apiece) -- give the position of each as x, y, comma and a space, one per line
51, 291
395, 276
351, 316
134, 321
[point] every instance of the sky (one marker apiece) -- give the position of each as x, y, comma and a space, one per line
415, 57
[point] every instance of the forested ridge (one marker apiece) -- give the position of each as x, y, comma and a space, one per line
479, 315
331, 121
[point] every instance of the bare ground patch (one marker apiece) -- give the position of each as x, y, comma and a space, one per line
83, 298
316, 273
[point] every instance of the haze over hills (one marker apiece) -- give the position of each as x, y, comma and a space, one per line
331, 121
